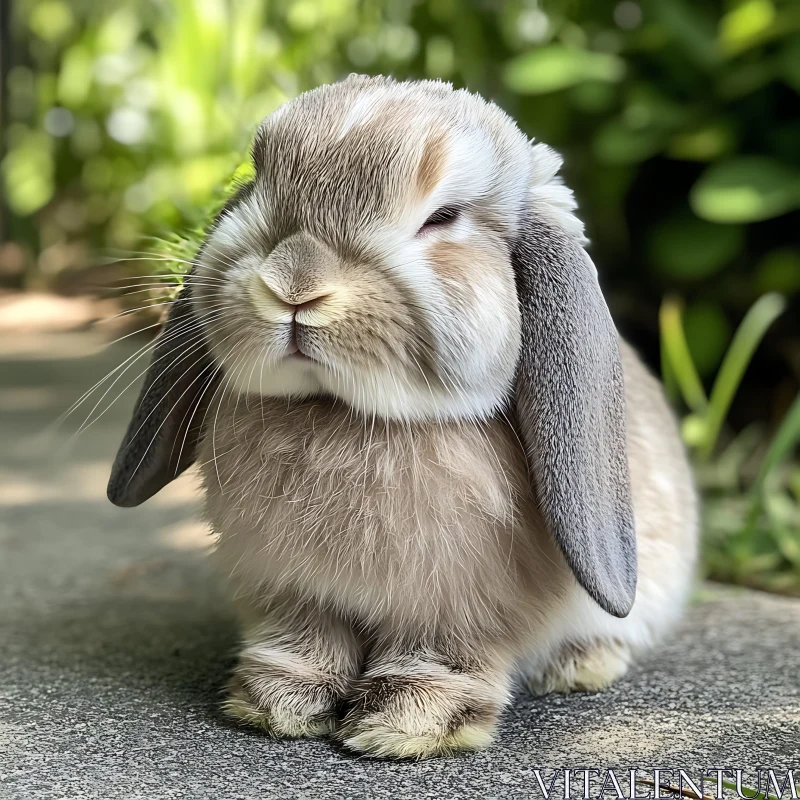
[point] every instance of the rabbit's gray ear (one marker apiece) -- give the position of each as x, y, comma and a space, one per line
570, 407
162, 437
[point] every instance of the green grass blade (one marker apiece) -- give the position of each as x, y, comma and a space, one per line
784, 441
746, 790
679, 365
745, 341
668, 374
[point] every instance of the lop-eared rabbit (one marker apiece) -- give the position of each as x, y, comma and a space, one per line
431, 464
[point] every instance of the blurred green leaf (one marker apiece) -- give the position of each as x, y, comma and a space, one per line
693, 430
746, 189
783, 443
28, 173
703, 144
51, 19
779, 271
617, 143
742, 79
591, 96
688, 249
439, 57
691, 28
707, 333
75, 76
554, 67
745, 25
790, 63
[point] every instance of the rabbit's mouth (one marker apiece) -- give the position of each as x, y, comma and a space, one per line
299, 355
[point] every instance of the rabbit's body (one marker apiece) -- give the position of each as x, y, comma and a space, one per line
418, 528
421, 536
429, 461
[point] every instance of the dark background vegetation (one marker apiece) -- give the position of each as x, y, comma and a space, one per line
679, 121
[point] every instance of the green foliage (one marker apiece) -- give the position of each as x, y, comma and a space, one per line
746, 190
751, 519
125, 115
554, 67
678, 120
131, 114
688, 248
743, 791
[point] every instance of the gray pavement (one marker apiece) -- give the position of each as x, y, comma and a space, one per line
115, 642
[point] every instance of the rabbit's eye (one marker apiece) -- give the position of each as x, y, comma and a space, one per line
442, 216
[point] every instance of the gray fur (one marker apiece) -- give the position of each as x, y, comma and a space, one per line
570, 404
162, 437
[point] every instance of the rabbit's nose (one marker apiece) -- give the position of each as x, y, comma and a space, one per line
318, 309
314, 307
311, 303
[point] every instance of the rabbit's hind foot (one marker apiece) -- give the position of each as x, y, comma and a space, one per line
581, 668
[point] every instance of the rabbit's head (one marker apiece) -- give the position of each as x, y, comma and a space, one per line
405, 250
368, 259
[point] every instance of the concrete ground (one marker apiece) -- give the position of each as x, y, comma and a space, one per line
115, 642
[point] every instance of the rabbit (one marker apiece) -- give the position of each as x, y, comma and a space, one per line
433, 468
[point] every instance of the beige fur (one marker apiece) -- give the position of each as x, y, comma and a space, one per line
428, 536
373, 503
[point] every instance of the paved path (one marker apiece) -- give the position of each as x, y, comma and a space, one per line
114, 643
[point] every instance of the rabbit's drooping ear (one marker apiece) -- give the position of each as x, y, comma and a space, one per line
570, 407
161, 440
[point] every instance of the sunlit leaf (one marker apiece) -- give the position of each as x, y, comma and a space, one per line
118, 30
75, 75
745, 341
746, 189
303, 15
693, 430
28, 174
745, 25
682, 367
51, 19
554, 67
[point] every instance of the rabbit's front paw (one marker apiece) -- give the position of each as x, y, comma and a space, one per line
297, 665
284, 703
422, 713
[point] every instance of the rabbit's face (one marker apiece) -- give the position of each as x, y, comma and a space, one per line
369, 258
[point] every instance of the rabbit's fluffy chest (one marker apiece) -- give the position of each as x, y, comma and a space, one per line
379, 518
